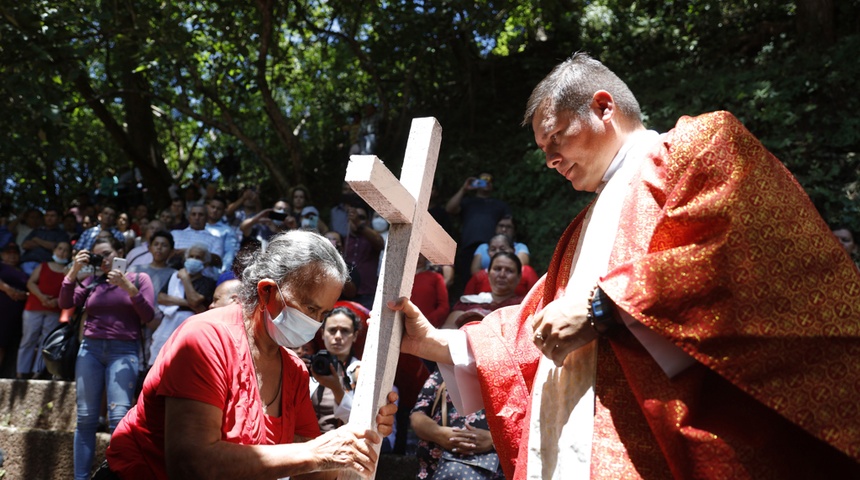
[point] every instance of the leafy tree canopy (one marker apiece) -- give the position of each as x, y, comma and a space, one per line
262, 93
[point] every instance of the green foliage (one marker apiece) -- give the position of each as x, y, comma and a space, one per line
544, 204
183, 81
786, 103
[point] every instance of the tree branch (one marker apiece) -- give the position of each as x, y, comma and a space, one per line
273, 111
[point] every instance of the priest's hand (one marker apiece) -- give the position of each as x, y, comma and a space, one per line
420, 337
562, 327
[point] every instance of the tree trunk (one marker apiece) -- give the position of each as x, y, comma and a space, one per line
144, 138
280, 123
815, 21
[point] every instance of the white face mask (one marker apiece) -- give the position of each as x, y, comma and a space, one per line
309, 222
291, 328
194, 266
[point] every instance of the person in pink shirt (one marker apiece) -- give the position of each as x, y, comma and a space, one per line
117, 304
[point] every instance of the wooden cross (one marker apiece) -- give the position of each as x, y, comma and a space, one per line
404, 204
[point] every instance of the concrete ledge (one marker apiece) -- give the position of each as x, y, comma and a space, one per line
43, 454
39, 404
48, 455
37, 423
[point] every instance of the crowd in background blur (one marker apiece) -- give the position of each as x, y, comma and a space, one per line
183, 260
188, 253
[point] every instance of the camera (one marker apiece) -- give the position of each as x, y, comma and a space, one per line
278, 216
479, 183
96, 259
322, 361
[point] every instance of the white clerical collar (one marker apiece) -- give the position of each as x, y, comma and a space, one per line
636, 140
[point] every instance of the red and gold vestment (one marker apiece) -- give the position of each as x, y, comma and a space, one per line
721, 252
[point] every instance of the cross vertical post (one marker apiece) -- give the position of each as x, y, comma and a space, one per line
413, 230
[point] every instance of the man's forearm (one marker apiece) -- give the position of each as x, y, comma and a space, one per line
453, 205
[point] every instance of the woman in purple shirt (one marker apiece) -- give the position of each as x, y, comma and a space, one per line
117, 305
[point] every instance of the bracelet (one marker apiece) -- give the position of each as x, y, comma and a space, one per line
601, 313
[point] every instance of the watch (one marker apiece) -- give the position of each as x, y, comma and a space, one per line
601, 313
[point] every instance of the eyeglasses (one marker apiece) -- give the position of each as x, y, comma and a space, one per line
361, 217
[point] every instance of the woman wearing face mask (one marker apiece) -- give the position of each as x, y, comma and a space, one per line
117, 304
186, 293
227, 399
41, 312
300, 197
310, 220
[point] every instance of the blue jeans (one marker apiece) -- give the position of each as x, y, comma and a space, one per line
36, 325
102, 365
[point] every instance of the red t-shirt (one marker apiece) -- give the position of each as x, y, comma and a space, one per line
430, 295
49, 284
207, 359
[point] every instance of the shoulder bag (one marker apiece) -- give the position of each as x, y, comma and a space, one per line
60, 348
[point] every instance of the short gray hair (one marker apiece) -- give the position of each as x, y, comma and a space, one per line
297, 260
207, 258
571, 85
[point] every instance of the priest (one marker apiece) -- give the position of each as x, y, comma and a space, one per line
698, 319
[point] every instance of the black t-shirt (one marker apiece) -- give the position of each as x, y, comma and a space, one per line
479, 217
204, 285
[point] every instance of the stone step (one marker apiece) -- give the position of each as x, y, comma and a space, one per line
43, 454
39, 404
48, 455
37, 423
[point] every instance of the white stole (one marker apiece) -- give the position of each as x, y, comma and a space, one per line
562, 419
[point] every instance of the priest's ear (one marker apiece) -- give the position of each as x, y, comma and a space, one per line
603, 105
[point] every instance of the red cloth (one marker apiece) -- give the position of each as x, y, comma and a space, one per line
720, 251
430, 295
49, 284
480, 282
209, 361
475, 312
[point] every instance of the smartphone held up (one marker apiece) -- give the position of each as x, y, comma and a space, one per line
119, 264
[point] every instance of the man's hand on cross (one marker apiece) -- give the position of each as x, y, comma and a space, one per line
421, 338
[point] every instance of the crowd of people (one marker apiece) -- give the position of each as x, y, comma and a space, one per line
141, 274
224, 332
